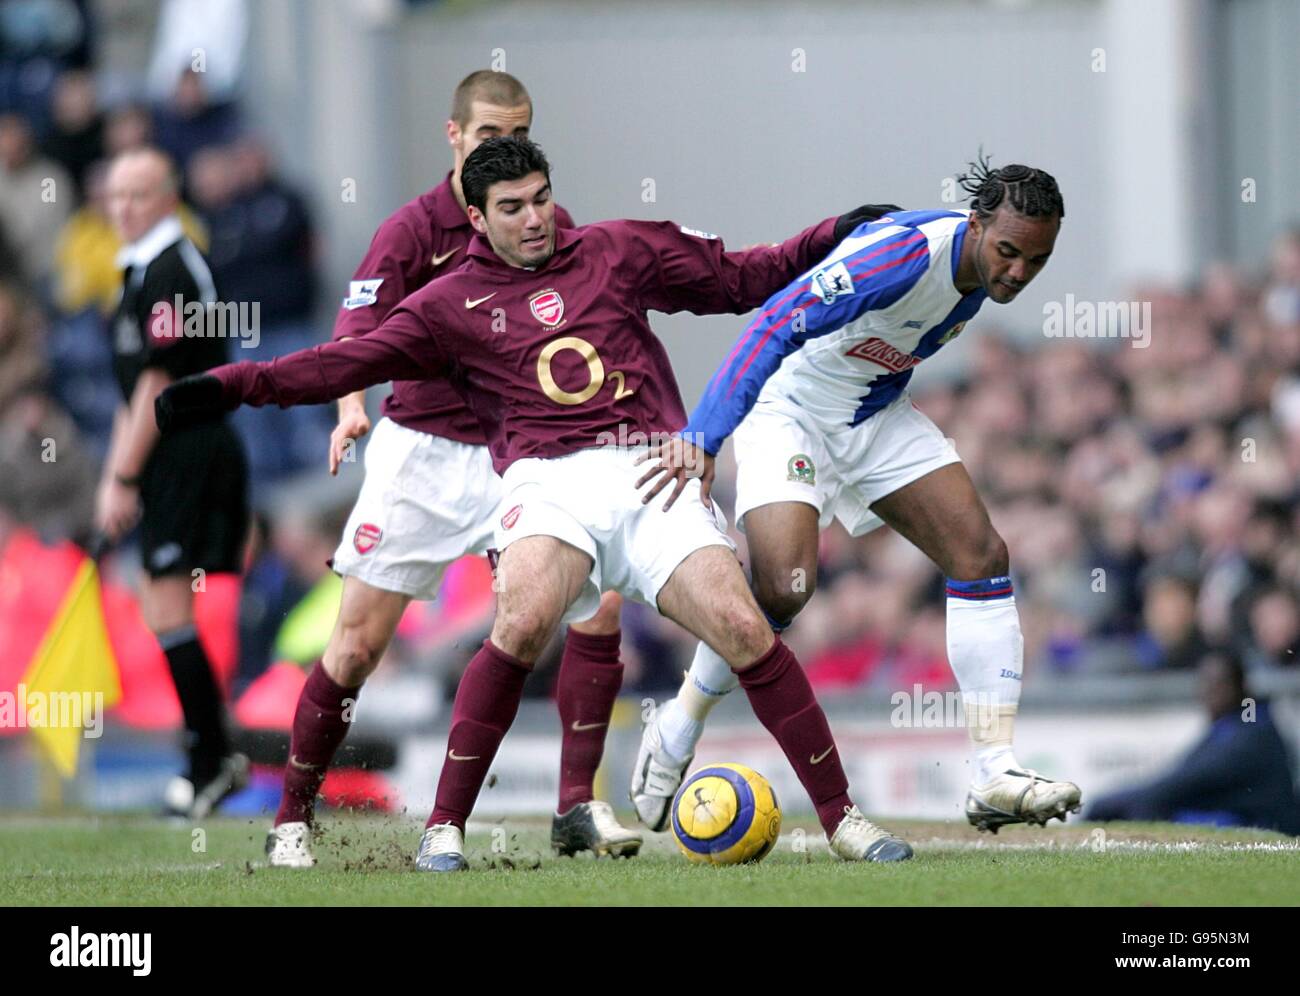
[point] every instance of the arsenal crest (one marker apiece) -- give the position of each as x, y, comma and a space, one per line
367, 537
510, 518
547, 307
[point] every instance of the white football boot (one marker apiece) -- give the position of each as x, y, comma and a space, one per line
1020, 796
655, 779
442, 849
178, 798
858, 839
288, 845
591, 826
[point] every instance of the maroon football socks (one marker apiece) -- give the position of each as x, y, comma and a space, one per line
783, 701
486, 703
319, 726
590, 677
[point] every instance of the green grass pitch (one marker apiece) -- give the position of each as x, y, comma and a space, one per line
366, 860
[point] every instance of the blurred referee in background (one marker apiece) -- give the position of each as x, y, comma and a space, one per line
188, 489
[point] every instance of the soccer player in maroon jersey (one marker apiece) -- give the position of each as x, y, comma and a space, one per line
428, 498
544, 330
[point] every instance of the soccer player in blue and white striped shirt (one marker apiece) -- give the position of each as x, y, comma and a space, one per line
815, 391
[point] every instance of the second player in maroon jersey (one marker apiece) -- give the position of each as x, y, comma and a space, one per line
424, 239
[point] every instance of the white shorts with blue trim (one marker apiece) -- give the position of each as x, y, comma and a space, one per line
783, 454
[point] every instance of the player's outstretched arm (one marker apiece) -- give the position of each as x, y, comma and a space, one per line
863, 215
400, 349
851, 281
694, 272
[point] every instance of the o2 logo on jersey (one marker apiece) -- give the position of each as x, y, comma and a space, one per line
510, 518
596, 376
547, 307
367, 537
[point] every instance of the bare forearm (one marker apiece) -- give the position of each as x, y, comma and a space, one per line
354, 402
121, 418
139, 431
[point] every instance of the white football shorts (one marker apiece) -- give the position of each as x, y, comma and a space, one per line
783, 454
589, 500
426, 501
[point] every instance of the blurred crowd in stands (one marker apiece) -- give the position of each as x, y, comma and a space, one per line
63, 116
1150, 496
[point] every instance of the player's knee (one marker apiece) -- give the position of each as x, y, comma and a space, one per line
783, 594
997, 559
607, 619
986, 558
748, 635
352, 657
167, 605
523, 630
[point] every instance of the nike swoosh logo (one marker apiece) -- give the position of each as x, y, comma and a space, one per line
818, 759
439, 260
452, 754
475, 304
577, 727
301, 766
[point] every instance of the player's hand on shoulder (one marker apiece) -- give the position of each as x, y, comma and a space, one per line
679, 461
845, 223
353, 424
193, 399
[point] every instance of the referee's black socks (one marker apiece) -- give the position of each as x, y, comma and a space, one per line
196, 687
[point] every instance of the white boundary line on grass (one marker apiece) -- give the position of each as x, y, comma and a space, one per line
1150, 846
811, 842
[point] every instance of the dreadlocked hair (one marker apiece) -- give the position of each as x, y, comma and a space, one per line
1028, 191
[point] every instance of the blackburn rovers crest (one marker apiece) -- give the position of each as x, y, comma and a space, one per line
952, 333
801, 469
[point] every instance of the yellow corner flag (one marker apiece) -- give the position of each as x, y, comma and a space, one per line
73, 676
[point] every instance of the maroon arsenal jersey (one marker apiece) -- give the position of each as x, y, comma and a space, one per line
553, 359
422, 239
